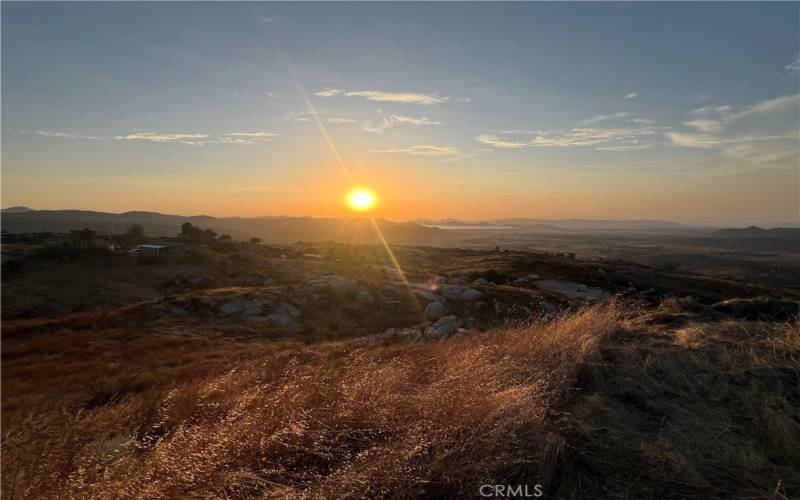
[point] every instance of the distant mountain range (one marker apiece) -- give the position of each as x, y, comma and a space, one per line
353, 230
269, 229
563, 224
16, 210
758, 232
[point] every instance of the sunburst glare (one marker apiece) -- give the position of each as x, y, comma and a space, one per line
361, 199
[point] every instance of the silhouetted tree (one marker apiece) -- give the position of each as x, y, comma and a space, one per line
255, 240
134, 235
193, 234
225, 236
135, 231
82, 239
188, 230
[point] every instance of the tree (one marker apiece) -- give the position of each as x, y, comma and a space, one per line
193, 234
225, 236
135, 232
75, 237
134, 235
188, 230
82, 239
255, 240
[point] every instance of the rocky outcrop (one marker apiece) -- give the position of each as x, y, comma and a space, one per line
284, 314
572, 290
262, 311
435, 310
336, 284
444, 327
429, 296
464, 293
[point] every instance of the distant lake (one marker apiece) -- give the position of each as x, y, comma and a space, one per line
456, 227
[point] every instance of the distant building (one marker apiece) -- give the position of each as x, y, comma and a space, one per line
161, 247
152, 250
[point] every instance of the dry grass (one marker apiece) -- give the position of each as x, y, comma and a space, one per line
120, 415
616, 401
710, 408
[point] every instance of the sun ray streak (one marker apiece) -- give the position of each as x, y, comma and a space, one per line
321, 126
396, 264
324, 131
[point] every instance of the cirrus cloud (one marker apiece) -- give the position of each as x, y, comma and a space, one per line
602, 118
763, 132
384, 96
192, 139
395, 120
421, 150
609, 139
499, 142
794, 65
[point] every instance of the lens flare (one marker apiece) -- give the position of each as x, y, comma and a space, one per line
361, 199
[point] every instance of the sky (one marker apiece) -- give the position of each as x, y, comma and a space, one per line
678, 111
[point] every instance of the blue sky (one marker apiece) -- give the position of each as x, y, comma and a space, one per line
667, 110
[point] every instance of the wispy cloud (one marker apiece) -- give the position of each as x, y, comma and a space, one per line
770, 106
704, 125
395, 120
499, 142
713, 141
727, 113
328, 93
421, 150
191, 139
50, 133
794, 65
594, 136
302, 116
631, 95
251, 134
755, 148
246, 137
518, 132
609, 139
266, 19
752, 133
340, 120
274, 96
632, 147
384, 96
602, 118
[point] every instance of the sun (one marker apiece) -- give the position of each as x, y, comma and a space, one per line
361, 199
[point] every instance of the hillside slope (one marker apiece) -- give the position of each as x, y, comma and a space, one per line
611, 400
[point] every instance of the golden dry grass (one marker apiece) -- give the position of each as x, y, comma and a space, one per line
610, 400
120, 415
709, 408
